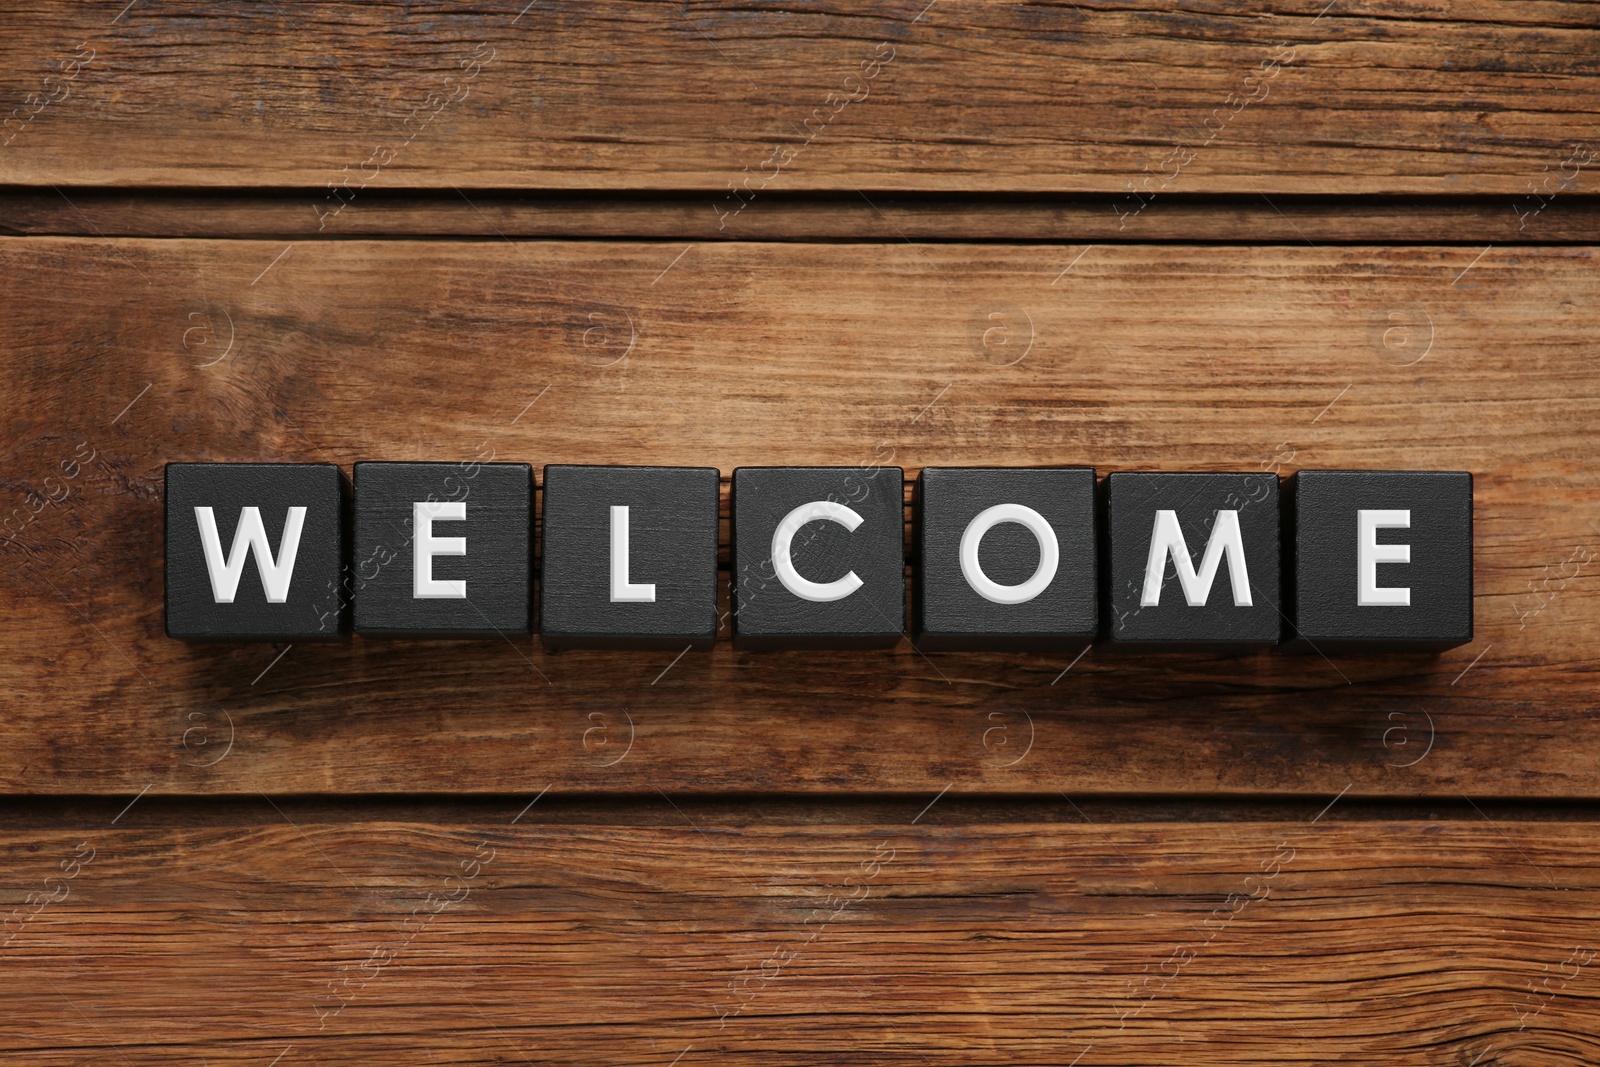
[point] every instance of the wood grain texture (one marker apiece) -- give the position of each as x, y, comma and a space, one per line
130, 353
1474, 96
1288, 943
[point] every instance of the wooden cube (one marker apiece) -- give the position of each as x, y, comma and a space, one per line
818, 557
629, 557
1381, 560
254, 551
443, 549
1193, 561
1006, 559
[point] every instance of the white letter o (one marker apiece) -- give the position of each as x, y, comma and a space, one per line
1049, 554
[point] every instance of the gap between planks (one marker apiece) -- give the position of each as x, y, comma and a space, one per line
286, 214
578, 808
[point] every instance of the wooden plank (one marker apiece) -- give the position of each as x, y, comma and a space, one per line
127, 354
1472, 96
1572, 219
899, 943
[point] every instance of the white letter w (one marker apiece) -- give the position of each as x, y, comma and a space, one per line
251, 536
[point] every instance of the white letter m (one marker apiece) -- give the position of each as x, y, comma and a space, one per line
1167, 539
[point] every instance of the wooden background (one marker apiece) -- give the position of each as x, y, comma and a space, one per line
1165, 236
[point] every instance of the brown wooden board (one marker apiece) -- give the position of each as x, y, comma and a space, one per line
910, 942
1476, 96
122, 355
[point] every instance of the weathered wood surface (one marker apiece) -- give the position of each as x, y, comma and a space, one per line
514, 941
1474, 96
120, 356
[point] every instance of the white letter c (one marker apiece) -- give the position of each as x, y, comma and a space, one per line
783, 537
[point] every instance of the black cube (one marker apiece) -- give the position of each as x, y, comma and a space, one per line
818, 557
443, 549
1006, 559
253, 551
629, 557
1175, 544
1381, 560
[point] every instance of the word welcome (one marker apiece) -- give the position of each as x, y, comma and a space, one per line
1002, 558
